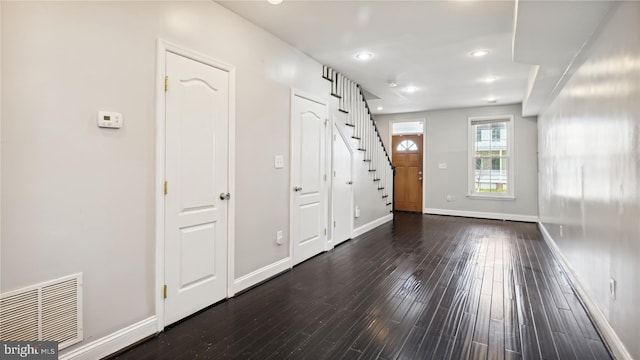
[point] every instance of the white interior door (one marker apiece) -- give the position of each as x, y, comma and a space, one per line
341, 189
196, 171
308, 216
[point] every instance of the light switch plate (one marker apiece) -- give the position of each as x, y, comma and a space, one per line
279, 162
442, 165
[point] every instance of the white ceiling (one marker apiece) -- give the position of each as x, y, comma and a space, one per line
425, 44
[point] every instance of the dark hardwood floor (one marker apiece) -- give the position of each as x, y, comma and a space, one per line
422, 287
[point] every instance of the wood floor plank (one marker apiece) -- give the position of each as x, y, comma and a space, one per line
420, 287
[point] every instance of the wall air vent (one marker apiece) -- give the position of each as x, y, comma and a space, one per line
49, 311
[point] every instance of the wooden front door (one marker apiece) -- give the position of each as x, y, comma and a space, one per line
407, 158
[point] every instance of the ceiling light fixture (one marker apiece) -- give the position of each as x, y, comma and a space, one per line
411, 89
479, 53
393, 84
492, 100
490, 79
275, 2
363, 56
380, 108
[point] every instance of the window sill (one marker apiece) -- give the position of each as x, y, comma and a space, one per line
491, 197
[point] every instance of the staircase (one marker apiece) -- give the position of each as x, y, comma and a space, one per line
351, 101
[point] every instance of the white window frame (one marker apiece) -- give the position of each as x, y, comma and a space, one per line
474, 120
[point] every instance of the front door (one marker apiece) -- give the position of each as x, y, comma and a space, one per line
196, 171
407, 158
308, 216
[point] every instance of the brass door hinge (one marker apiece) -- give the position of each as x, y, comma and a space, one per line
164, 292
166, 188
166, 83
325, 231
326, 121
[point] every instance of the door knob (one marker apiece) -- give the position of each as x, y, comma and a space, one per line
420, 178
297, 188
225, 196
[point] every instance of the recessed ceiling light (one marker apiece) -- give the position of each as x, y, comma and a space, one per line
411, 89
393, 84
379, 108
479, 53
492, 100
364, 56
489, 79
275, 2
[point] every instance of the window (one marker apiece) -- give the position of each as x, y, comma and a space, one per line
407, 145
496, 133
490, 157
407, 127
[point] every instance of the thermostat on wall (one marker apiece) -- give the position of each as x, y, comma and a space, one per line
108, 119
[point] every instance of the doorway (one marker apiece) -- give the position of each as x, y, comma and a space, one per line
194, 216
341, 189
407, 153
308, 177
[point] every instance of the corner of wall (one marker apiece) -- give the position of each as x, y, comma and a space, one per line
611, 339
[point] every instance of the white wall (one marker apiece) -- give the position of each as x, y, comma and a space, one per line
77, 198
446, 137
0, 144
590, 171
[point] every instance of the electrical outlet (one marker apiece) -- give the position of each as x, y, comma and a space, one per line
451, 198
612, 288
279, 237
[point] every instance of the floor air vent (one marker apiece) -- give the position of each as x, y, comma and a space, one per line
47, 311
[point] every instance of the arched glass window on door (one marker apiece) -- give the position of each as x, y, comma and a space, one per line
407, 145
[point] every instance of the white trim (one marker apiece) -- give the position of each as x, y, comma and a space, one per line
482, 215
162, 47
113, 342
372, 225
612, 340
471, 138
262, 274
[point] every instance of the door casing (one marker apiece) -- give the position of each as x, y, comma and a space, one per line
424, 150
162, 47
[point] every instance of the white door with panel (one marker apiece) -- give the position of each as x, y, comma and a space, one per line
308, 216
196, 173
341, 189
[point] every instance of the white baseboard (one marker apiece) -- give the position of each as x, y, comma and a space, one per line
262, 274
482, 215
112, 343
372, 225
610, 337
